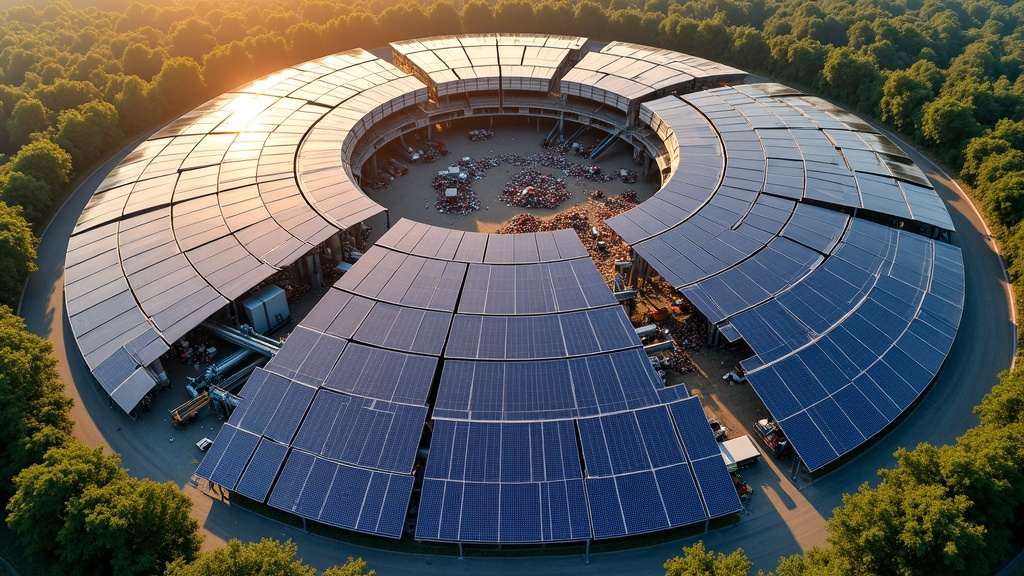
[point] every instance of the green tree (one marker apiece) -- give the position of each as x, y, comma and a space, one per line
853, 79
591, 19
139, 60
266, 557
32, 196
949, 124
44, 491
191, 38
903, 100
696, 561
1004, 405
230, 66
89, 132
17, 261
27, 118
65, 95
45, 161
477, 17
178, 86
127, 527
749, 48
135, 107
905, 527
513, 16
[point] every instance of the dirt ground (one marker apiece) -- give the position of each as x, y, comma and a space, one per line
410, 196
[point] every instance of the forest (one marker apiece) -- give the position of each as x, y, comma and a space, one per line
79, 82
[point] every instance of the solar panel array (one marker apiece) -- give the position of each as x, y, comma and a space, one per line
487, 62
623, 74
757, 224
214, 203
525, 354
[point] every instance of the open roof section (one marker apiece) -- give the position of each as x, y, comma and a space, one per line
623, 75
214, 203
475, 62
329, 429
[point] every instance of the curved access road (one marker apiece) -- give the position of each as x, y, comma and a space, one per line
783, 518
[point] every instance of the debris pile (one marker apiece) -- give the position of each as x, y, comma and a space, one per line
533, 189
477, 135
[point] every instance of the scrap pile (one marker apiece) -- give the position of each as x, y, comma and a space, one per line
379, 182
432, 150
477, 135
533, 189
454, 193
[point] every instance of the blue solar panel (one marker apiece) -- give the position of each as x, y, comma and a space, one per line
534, 294
641, 502
290, 358
826, 368
659, 436
383, 374
350, 317
501, 291
288, 488
493, 337
835, 425
878, 397
239, 449
396, 504
320, 360
892, 384
679, 494
483, 452
774, 392
515, 453
800, 381
261, 396
921, 351
716, 485
373, 502
569, 294
605, 509
908, 368
451, 507
808, 440
864, 415
624, 443
564, 514
289, 414
480, 509
890, 325
216, 452
315, 489
520, 514
692, 425
343, 501
851, 347
428, 518
262, 469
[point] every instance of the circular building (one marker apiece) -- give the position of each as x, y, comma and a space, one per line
489, 388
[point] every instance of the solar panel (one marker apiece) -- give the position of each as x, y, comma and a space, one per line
259, 475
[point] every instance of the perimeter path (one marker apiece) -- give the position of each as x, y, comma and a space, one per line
785, 519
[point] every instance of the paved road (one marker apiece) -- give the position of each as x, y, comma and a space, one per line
783, 519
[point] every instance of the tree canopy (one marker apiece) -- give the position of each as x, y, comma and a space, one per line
268, 557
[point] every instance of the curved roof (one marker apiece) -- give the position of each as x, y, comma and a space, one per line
784, 219
471, 62
760, 225
217, 201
